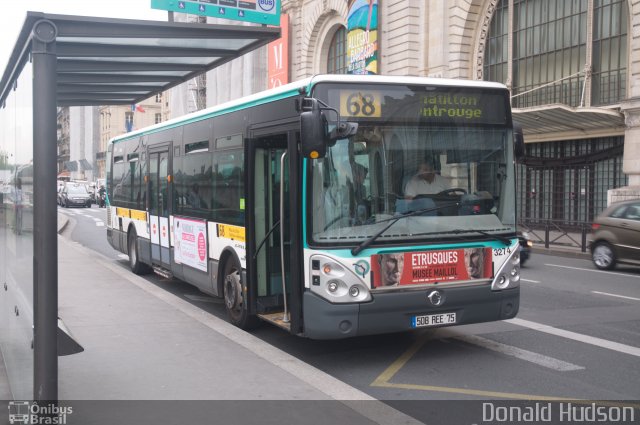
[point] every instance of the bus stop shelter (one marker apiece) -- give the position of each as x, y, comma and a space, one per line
74, 61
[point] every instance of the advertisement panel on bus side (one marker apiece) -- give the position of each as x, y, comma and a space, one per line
190, 243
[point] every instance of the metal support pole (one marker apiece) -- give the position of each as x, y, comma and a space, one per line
546, 235
285, 316
584, 237
45, 236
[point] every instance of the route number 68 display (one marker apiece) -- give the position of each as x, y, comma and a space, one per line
360, 104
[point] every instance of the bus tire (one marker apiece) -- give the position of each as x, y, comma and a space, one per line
136, 265
234, 297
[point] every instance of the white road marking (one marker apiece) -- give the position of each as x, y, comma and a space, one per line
586, 339
593, 271
615, 295
530, 281
123, 256
99, 224
529, 356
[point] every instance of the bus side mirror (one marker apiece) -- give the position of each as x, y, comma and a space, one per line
518, 141
313, 130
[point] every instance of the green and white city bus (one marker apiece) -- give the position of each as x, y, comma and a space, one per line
291, 204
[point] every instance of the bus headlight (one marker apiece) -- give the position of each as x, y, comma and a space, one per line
337, 288
501, 283
336, 282
509, 274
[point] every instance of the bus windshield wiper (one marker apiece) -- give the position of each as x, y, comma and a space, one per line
356, 250
501, 239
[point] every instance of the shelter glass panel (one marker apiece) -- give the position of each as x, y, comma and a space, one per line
16, 236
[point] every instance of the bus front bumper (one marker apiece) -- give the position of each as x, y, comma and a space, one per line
394, 311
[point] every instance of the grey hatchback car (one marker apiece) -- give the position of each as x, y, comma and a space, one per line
615, 236
74, 194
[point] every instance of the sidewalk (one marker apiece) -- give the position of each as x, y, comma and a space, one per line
143, 343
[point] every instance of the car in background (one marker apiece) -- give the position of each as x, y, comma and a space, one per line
615, 236
525, 243
74, 195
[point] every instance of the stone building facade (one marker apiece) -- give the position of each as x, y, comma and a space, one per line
119, 119
580, 113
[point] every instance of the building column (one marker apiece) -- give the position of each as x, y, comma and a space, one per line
631, 158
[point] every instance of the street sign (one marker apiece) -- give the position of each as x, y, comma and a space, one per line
258, 11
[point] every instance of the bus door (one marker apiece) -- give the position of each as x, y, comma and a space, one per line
270, 181
159, 206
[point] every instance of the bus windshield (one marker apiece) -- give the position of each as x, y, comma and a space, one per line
457, 176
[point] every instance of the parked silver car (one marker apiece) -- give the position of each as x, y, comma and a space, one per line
616, 235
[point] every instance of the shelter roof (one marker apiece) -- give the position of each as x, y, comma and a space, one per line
105, 61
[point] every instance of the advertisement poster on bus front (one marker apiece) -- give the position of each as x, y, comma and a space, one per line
424, 267
190, 244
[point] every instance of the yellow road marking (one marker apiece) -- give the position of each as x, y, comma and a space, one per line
383, 379
468, 391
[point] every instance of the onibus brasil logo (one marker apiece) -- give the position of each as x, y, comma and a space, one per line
31, 413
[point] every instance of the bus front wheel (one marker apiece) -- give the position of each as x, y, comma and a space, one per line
234, 299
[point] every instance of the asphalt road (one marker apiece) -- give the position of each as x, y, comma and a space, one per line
577, 336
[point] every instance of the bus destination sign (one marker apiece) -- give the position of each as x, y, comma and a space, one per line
443, 105
466, 107
259, 11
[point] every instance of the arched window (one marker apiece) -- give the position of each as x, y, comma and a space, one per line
550, 51
496, 49
336, 59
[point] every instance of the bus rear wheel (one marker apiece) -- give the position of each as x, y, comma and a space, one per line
234, 299
134, 258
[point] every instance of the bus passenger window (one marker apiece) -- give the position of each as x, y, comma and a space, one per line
194, 198
228, 187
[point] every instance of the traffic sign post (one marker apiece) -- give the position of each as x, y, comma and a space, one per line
258, 11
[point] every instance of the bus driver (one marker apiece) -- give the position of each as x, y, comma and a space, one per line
425, 182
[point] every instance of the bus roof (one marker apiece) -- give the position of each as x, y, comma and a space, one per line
293, 89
